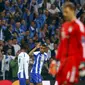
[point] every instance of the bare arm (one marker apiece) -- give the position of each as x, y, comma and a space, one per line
31, 52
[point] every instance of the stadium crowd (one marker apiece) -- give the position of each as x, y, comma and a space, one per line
27, 22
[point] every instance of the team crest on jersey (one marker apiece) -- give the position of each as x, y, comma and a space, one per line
70, 29
63, 35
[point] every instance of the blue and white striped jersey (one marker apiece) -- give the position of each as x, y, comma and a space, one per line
39, 60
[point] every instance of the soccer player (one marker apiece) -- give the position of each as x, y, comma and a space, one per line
23, 64
70, 51
39, 59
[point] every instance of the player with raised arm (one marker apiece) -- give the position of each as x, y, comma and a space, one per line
39, 59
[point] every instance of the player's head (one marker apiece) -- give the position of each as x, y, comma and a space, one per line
42, 48
68, 11
23, 48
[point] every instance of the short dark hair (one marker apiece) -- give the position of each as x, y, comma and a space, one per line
69, 5
24, 47
14, 38
43, 45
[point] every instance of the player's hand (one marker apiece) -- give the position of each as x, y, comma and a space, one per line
27, 81
65, 83
38, 45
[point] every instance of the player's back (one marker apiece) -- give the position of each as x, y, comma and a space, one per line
22, 60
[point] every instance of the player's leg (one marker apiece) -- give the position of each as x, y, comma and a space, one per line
22, 81
38, 79
32, 77
39, 84
31, 84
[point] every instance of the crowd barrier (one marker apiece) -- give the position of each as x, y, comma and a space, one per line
7, 82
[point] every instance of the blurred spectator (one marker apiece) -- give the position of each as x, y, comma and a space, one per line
1, 48
12, 22
14, 66
48, 20
55, 48
18, 32
8, 33
20, 3
50, 46
53, 10
34, 6
1, 31
6, 63
82, 2
1, 56
32, 29
52, 28
31, 44
48, 51
78, 8
53, 67
4, 24
2, 6
82, 10
82, 18
23, 25
9, 46
48, 5
16, 45
18, 13
7, 5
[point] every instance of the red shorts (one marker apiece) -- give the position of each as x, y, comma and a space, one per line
68, 72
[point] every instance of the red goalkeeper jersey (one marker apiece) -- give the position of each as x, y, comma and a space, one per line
71, 50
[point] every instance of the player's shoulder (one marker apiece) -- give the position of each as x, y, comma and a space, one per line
21, 53
45, 54
80, 25
65, 24
78, 22
26, 55
36, 53
20, 56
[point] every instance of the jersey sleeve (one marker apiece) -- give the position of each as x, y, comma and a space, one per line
36, 53
26, 65
82, 31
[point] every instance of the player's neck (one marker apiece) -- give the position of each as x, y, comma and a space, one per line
73, 18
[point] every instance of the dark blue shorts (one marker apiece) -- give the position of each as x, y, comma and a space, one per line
35, 78
22, 81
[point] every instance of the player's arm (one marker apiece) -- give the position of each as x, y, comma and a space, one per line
32, 51
46, 65
47, 61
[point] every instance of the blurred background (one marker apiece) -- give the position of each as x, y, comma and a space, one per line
27, 22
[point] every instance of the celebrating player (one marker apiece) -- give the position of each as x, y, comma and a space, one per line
70, 51
39, 58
